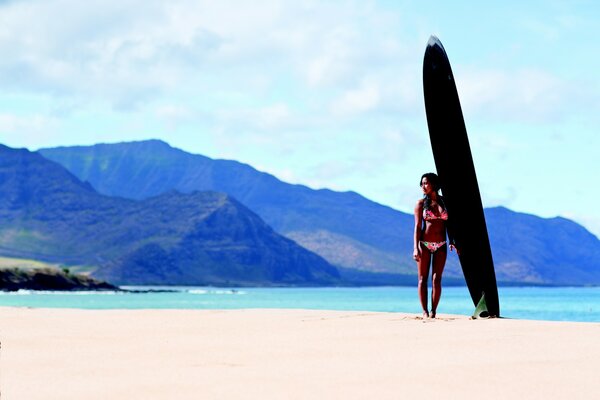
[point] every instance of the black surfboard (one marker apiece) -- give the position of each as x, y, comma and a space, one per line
454, 164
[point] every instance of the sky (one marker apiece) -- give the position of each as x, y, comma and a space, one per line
322, 93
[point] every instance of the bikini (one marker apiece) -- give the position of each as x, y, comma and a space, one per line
428, 215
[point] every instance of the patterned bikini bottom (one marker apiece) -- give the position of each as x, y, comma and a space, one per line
433, 246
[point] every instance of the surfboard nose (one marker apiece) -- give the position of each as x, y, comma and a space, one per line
433, 40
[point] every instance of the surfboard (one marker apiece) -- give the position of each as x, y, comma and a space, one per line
455, 168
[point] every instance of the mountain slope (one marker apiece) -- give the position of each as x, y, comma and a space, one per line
345, 228
140, 170
206, 237
528, 248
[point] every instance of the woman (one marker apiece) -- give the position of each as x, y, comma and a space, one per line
430, 240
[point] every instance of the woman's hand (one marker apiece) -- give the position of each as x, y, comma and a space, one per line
453, 248
417, 254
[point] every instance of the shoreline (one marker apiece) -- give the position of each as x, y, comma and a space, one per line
49, 353
540, 304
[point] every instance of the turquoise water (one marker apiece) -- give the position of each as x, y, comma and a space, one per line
557, 304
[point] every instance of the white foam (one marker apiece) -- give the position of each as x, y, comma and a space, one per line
26, 292
197, 291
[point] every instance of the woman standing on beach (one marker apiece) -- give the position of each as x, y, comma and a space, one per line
430, 240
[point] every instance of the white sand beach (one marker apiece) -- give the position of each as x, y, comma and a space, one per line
290, 354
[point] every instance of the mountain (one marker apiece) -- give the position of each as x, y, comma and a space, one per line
528, 248
199, 238
347, 229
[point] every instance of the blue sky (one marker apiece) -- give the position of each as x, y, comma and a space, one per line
327, 94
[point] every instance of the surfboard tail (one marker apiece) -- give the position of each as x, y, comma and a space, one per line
481, 311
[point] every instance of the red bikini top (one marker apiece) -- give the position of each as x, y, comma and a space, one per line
428, 215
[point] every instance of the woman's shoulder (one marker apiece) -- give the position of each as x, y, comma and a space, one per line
420, 203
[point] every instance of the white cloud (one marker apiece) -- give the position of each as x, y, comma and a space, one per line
556, 26
273, 117
365, 98
173, 115
129, 51
25, 131
173, 112
122, 52
525, 95
261, 120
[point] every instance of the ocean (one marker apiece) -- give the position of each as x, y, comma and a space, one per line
536, 303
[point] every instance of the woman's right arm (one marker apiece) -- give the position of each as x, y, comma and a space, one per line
418, 228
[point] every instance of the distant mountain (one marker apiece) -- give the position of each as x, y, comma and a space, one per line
528, 248
347, 229
200, 238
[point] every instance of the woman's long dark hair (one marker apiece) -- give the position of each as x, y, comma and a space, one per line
435, 182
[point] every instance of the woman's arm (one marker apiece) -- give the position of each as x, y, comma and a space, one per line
418, 229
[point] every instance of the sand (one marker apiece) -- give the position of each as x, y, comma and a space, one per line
290, 354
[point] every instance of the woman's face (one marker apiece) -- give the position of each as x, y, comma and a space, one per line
426, 186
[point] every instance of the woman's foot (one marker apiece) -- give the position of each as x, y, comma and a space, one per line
432, 313
425, 314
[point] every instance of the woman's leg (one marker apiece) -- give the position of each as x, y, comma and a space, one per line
439, 261
423, 274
